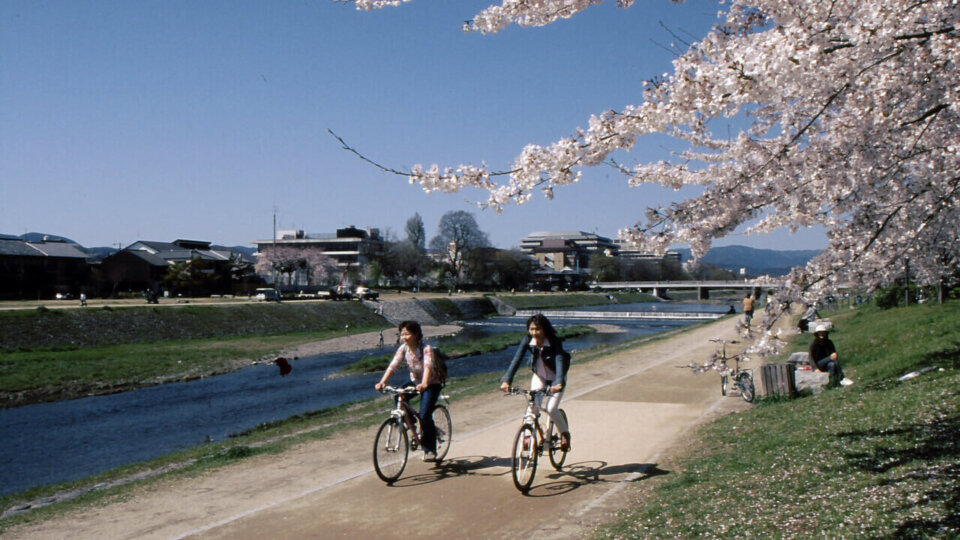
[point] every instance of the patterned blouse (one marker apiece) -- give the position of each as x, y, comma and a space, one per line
416, 360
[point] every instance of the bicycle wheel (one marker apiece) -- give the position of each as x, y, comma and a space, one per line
524, 458
390, 450
723, 385
747, 390
557, 455
441, 418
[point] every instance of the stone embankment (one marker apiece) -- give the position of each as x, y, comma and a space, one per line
436, 311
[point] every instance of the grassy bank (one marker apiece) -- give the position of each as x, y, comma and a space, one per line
878, 459
58, 354
378, 363
52, 354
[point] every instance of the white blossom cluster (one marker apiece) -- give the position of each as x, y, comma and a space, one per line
377, 4
852, 114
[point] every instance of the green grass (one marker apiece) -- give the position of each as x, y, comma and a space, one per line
378, 363
878, 459
60, 354
71, 329
28, 377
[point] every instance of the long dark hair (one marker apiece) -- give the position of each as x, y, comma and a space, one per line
543, 322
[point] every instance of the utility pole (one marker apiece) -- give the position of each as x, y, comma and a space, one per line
274, 247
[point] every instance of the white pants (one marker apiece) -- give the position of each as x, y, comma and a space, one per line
553, 404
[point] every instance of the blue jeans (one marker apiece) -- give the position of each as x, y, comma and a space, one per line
428, 402
832, 367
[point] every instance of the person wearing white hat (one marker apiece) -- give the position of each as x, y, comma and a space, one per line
823, 355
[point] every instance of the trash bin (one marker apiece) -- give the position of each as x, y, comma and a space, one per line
778, 380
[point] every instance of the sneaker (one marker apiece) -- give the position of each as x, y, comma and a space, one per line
565, 441
526, 443
846, 382
429, 457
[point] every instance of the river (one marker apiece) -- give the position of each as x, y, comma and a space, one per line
49, 443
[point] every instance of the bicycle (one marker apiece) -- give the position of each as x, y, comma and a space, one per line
530, 441
742, 378
400, 433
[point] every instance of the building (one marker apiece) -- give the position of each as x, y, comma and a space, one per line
143, 265
643, 266
630, 253
564, 257
351, 247
41, 269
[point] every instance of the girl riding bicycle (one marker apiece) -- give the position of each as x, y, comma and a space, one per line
419, 359
549, 363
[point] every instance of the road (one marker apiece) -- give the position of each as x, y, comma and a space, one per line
627, 411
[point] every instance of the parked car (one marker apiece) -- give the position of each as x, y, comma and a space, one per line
364, 293
267, 295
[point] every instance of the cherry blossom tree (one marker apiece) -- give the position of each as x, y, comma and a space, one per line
851, 115
289, 261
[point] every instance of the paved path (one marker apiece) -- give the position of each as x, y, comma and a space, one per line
626, 411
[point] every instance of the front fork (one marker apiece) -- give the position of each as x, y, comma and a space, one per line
532, 418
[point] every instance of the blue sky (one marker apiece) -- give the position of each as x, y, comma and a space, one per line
155, 120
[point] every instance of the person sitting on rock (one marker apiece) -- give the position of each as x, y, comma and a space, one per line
823, 355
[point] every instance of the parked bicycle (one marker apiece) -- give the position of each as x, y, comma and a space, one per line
741, 378
532, 440
400, 433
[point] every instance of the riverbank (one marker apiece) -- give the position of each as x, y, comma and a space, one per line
62, 351
266, 437
340, 439
640, 465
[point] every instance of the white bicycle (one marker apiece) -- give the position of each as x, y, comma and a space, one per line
532, 440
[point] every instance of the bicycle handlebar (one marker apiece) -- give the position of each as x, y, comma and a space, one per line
405, 390
514, 391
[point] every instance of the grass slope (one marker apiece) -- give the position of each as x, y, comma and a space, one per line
878, 459
59, 354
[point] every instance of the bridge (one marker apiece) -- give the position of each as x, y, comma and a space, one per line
660, 288
623, 315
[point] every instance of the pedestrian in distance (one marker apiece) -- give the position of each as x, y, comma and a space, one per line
823, 355
423, 374
747, 309
549, 364
810, 315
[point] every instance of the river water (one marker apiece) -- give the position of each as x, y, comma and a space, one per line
56, 442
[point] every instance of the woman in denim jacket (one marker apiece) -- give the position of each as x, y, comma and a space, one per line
549, 364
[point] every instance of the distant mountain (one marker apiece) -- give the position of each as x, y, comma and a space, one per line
43, 237
99, 253
246, 250
756, 261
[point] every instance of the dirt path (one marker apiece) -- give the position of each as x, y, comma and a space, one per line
625, 410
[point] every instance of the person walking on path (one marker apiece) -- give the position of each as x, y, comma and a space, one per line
423, 374
549, 363
748, 308
823, 355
